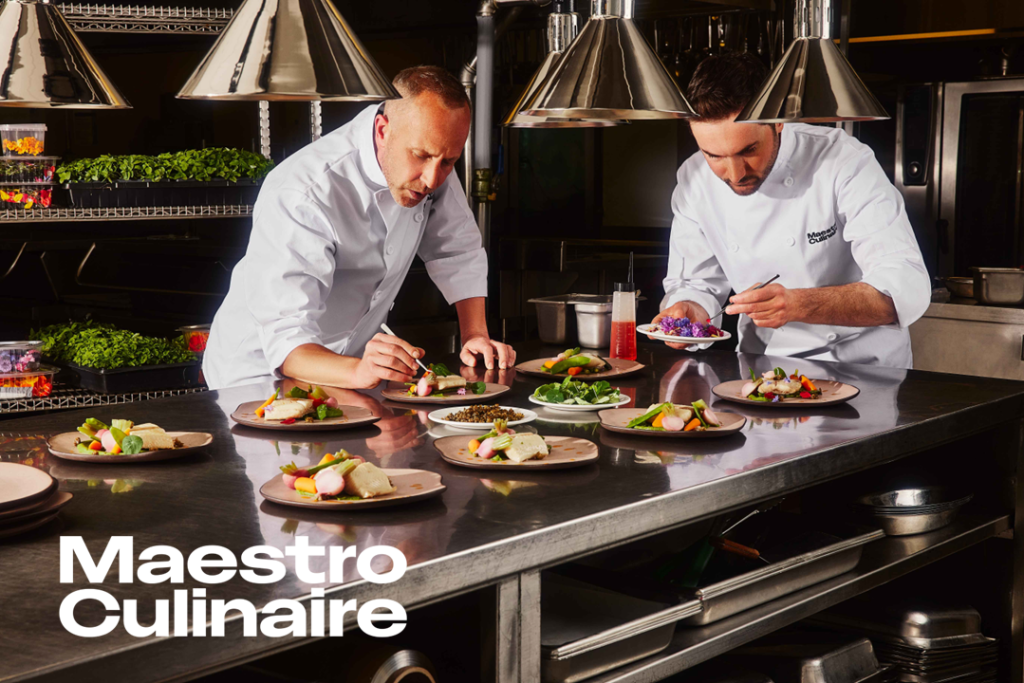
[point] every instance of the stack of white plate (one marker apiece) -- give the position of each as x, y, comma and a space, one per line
28, 499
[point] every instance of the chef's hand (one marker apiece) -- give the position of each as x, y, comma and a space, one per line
489, 350
492, 376
772, 306
683, 309
389, 358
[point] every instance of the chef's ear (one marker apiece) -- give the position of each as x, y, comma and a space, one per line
380, 127
778, 128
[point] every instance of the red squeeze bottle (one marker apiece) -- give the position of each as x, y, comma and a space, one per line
623, 342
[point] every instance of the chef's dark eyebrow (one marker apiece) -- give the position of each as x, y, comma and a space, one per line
746, 150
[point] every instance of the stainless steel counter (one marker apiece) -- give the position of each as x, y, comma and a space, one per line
472, 536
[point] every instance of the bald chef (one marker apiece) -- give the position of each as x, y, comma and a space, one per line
335, 230
809, 203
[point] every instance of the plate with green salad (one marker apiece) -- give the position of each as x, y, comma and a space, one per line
687, 421
575, 396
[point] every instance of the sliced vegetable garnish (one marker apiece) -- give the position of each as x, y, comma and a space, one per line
324, 412
650, 415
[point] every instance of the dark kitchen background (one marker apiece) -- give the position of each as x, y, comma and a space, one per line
571, 203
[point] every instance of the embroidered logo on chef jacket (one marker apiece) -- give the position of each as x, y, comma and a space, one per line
818, 237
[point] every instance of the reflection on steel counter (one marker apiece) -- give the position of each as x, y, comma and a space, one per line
534, 268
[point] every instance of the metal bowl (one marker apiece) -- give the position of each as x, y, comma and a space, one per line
908, 525
921, 497
904, 512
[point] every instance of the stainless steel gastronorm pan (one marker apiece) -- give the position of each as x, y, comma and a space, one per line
586, 630
729, 597
999, 286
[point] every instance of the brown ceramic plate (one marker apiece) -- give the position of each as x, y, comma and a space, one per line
616, 421
411, 485
16, 515
21, 485
398, 392
16, 529
354, 416
832, 393
619, 368
566, 452
63, 446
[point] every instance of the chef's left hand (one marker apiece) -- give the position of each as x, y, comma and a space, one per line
494, 353
772, 306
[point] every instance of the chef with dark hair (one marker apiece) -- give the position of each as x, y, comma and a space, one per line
809, 203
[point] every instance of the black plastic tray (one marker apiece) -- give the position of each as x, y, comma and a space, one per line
132, 380
144, 193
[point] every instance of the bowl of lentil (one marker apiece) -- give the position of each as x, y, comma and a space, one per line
481, 416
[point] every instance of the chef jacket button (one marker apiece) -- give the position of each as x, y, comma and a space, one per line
832, 336
791, 242
734, 247
391, 249
419, 217
788, 182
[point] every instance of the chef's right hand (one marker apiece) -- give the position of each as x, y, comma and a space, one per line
683, 309
387, 358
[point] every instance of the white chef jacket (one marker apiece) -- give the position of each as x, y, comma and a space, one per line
826, 215
328, 252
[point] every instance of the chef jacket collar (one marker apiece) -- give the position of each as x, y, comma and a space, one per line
368, 147
780, 171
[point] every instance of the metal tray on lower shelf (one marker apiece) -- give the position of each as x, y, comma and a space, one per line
132, 380
726, 598
835, 553
587, 630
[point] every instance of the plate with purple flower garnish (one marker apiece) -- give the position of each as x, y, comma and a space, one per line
683, 331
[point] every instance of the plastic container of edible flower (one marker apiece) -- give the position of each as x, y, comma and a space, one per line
196, 337
34, 384
26, 198
20, 356
23, 139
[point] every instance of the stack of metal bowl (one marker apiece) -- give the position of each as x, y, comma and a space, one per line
927, 641
908, 511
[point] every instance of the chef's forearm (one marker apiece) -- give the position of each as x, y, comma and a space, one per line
472, 318
854, 305
316, 364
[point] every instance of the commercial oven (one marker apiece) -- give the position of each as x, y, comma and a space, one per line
960, 168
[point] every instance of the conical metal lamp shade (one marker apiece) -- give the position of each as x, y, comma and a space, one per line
517, 119
300, 50
44, 64
562, 29
814, 83
610, 72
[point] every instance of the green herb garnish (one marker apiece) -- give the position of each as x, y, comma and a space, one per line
131, 445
